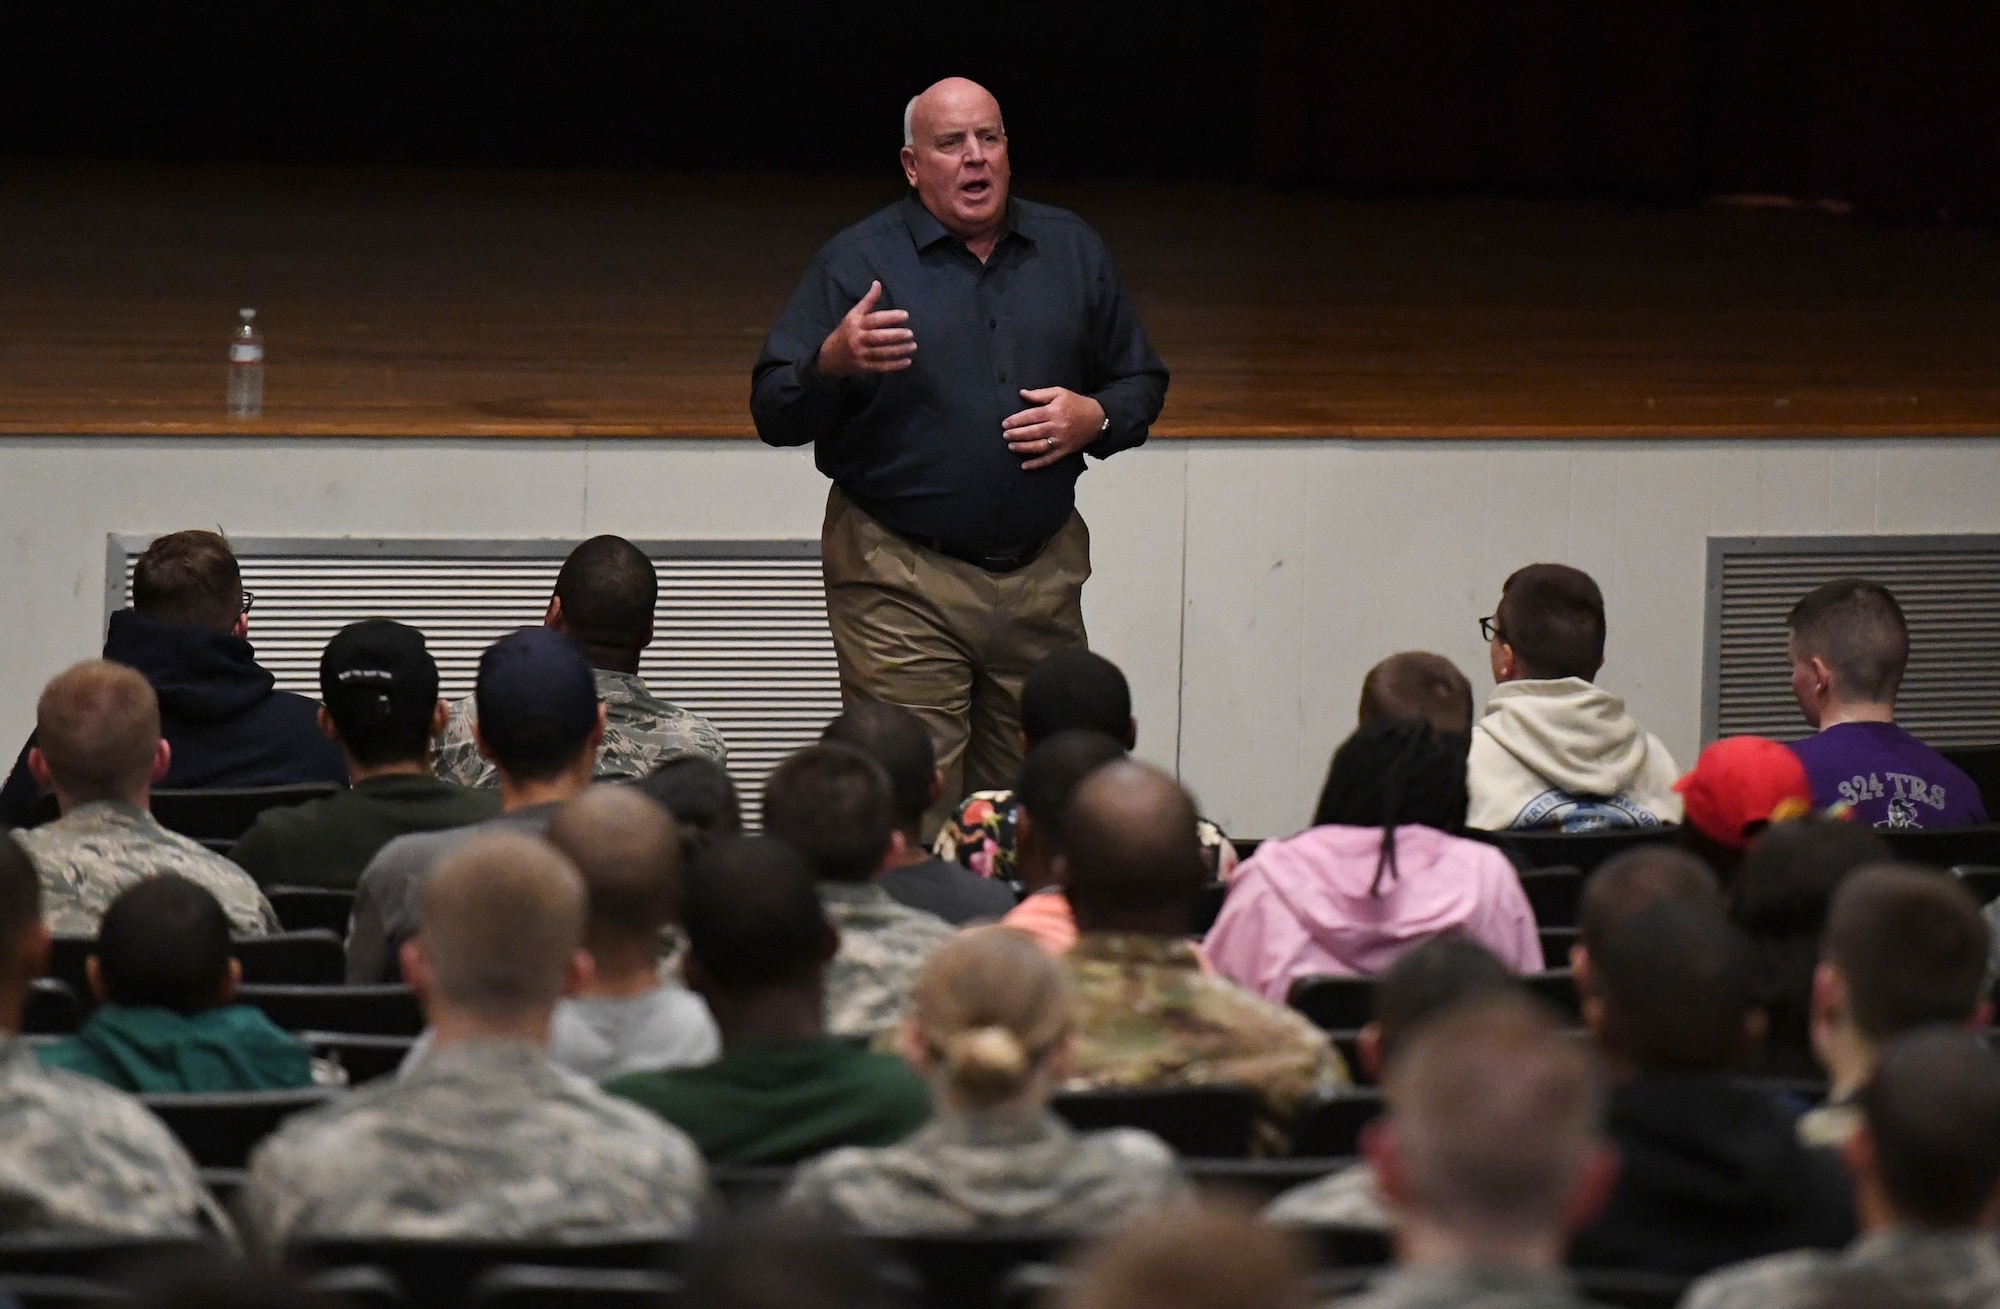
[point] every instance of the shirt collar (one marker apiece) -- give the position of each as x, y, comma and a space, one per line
1135, 948
926, 231
852, 893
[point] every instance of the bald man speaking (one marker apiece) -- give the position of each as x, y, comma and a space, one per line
952, 359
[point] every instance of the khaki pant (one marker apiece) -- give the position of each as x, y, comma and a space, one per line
948, 640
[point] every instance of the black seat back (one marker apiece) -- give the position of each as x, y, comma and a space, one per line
1359, 1249
1982, 880
1199, 1121
1335, 1004
1557, 989
68, 964
1982, 764
1583, 851
52, 1009
225, 814
1330, 1125
1264, 1179
386, 1009
1554, 894
314, 958
744, 1187
1945, 847
98, 1256
519, 1286
964, 1270
310, 908
221, 1129
1627, 1288
442, 1272
1208, 907
1556, 943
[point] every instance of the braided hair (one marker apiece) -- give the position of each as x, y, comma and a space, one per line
1393, 772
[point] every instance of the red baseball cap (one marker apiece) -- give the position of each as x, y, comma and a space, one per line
1739, 785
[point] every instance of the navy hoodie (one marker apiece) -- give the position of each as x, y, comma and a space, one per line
222, 718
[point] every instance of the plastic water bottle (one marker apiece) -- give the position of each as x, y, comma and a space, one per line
246, 367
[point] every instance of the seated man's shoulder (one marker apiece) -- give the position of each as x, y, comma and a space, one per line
643, 731
1347, 1197
90, 1155
1771, 1282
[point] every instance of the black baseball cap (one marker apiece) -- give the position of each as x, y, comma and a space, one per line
536, 693
378, 665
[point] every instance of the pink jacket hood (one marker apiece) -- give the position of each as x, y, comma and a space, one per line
1301, 906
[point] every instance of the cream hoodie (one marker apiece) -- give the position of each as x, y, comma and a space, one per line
1564, 754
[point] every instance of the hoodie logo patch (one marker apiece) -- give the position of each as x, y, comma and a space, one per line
1582, 813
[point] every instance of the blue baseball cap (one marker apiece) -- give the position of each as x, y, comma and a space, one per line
537, 699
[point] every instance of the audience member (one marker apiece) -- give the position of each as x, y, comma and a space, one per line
187, 635
1622, 886
1069, 690
1904, 948
1049, 777
698, 792
1146, 1012
541, 724
603, 601
895, 738
992, 1028
1424, 984
1378, 872
484, 1138
758, 948
166, 1020
98, 747
1711, 1169
1849, 645
76, 1155
1553, 750
1418, 687
379, 688
1738, 787
1925, 1161
775, 1258
1780, 898
833, 805
1491, 1155
626, 1015
1192, 1256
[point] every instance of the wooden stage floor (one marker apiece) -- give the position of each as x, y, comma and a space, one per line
588, 304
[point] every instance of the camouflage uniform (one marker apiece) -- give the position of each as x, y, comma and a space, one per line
1149, 1016
1958, 1269
478, 1140
883, 945
1346, 1198
965, 1171
641, 732
75, 1154
1467, 1288
94, 852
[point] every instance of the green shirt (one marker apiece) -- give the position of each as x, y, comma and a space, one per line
776, 1102
154, 1051
328, 842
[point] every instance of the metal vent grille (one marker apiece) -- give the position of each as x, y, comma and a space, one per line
740, 635
1949, 588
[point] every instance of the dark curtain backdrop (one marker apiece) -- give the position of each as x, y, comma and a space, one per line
1891, 104
1888, 104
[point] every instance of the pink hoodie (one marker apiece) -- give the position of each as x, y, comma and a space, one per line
1300, 907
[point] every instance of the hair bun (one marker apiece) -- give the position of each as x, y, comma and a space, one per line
986, 1058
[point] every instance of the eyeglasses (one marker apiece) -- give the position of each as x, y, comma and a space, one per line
249, 598
1489, 628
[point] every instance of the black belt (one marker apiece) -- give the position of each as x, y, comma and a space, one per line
998, 563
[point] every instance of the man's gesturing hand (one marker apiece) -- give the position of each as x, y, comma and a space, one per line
1060, 424
868, 340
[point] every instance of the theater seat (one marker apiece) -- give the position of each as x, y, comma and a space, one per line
1330, 1126
1557, 989
52, 1009
1335, 1004
1554, 894
443, 1272
1982, 880
1556, 943
1266, 1179
1583, 851
966, 1270
385, 1009
1199, 1121
1945, 847
226, 814
516, 1286
310, 908
221, 1129
313, 958
93, 1255
745, 1187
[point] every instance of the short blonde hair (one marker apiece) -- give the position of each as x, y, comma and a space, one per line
98, 725
502, 918
990, 1007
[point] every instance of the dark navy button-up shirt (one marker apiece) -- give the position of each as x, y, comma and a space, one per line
921, 450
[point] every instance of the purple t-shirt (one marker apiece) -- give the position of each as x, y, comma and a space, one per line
1890, 778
